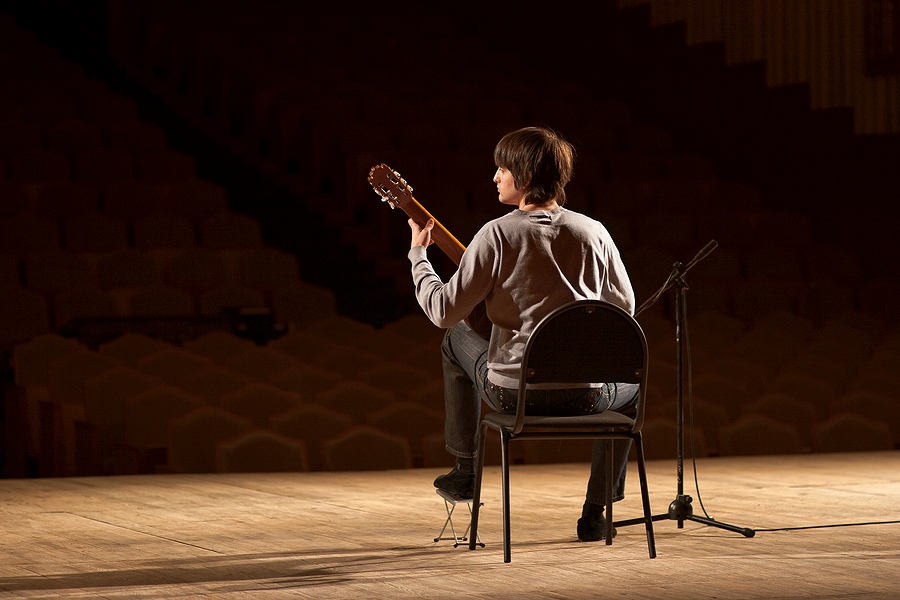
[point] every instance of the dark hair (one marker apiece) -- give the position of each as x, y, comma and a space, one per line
540, 157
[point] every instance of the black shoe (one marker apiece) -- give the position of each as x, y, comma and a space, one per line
457, 483
592, 525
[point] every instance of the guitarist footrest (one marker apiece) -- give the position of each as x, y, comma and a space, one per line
450, 502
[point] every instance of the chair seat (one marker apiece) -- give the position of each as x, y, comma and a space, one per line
607, 421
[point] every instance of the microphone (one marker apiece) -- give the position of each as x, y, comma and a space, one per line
704, 252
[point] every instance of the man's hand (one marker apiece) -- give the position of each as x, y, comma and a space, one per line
421, 236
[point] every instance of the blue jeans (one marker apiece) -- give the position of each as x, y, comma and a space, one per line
466, 385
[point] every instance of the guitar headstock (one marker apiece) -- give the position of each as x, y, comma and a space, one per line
388, 184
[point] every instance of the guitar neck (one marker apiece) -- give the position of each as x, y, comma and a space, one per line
441, 236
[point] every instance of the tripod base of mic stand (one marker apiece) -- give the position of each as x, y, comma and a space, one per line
681, 510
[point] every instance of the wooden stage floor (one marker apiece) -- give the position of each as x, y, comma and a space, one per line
370, 535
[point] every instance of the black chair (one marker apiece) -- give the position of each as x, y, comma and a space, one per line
582, 341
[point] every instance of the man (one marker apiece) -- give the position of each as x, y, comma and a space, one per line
523, 265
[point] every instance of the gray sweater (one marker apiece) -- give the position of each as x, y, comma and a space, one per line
523, 265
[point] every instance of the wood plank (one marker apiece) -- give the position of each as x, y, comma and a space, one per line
340, 535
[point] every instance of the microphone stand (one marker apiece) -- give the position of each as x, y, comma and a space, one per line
680, 509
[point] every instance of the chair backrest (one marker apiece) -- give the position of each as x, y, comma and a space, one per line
586, 341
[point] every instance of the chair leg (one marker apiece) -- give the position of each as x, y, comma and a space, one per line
609, 491
504, 459
645, 495
476, 497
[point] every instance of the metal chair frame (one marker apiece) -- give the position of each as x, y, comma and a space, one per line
580, 342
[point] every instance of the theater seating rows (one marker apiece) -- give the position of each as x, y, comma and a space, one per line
99, 217
138, 404
771, 327
316, 108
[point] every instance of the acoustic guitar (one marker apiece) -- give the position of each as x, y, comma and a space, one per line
397, 193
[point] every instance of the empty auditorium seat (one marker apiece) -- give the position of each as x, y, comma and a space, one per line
63, 408
32, 358
756, 434
688, 165
416, 326
661, 440
300, 303
195, 199
161, 301
339, 328
213, 382
23, 233
259, 401
65, 200
429, 395
83, 302
784, 227
666, 230
32, 361
648, 138
260, 452
15, 198
851, 432
161, 231
147, 415
410, 420
103, 166
831, 261
821, 299
634, 165
195, 270
104, 399
868, 404
54, 271
365, 448
66, 376
135, 137
126, 269
172, 364
74, 135
394, 377
258, 363
166, 166
840, 340
96, 233
820, 366
876, 297
805, 388
302, 345
17, 137
133, 199
229, 231
39, 166
358, 400
773, 262
307, 380
132, 347
105, 107
754, 299
219, 345
799, 414
721, 391
313, 424
219, 298
194, 436
267, 269
23, 315
749, 374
